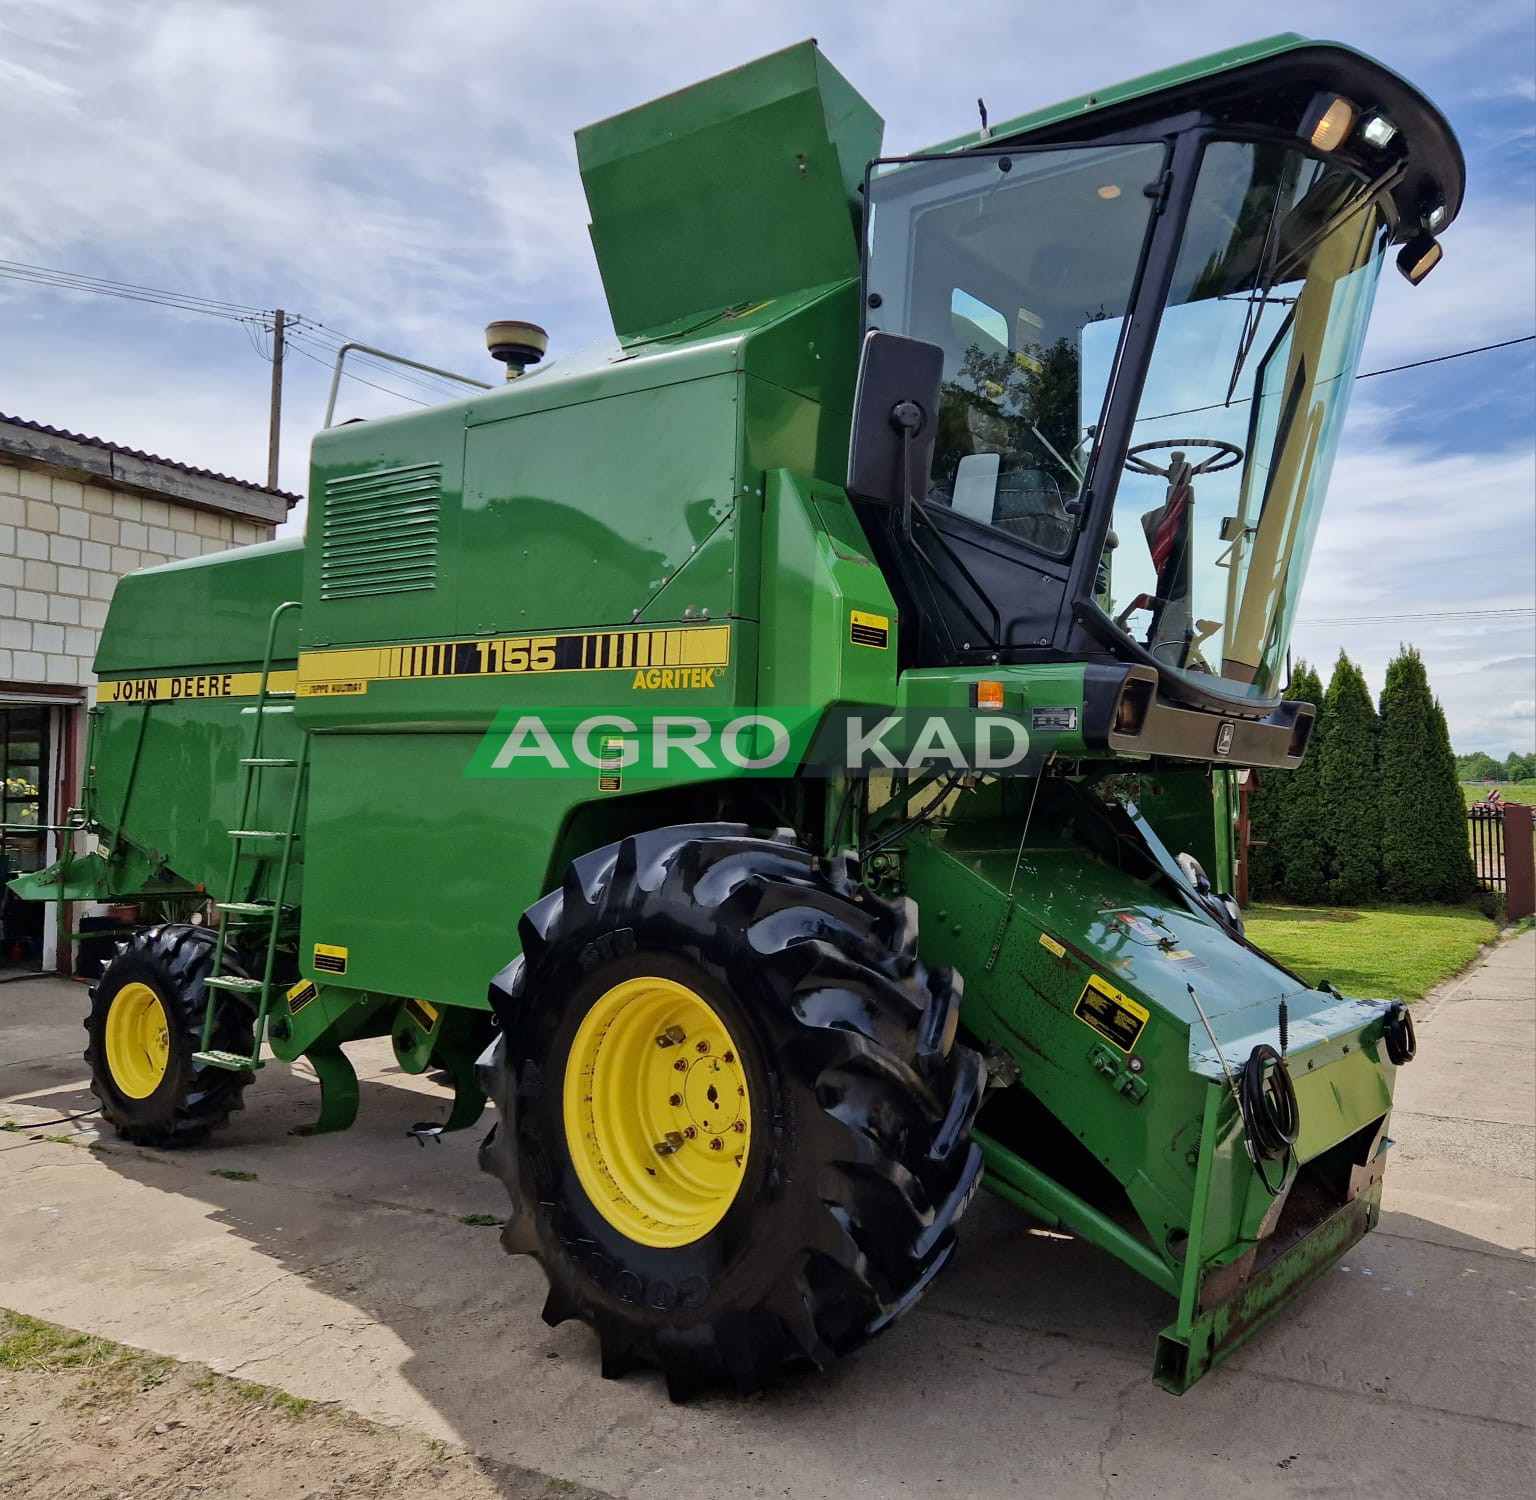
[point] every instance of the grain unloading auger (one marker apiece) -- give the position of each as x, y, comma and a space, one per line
1029, 432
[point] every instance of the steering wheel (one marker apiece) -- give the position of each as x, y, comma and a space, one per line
1223, 456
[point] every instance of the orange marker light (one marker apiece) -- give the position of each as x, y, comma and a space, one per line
989, 695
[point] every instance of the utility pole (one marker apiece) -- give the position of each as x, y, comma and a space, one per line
279, 322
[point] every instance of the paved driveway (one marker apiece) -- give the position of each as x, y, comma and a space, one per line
344, 1273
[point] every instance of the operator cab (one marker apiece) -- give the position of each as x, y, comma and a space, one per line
1150, 315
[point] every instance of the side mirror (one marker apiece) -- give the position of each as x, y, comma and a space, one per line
895, 419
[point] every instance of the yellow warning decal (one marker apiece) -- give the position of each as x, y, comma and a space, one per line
330, 959
422, 1012
1115, 1016
194, 685
869, 630
300, 995
695, 648
1051, 946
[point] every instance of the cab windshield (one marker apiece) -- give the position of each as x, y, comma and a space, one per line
1023, 268
1241, 413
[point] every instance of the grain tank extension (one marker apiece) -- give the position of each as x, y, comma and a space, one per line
1033, 427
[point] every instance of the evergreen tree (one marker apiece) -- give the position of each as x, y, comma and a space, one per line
1266, 854
1295, 831
1351, 788
1424, 822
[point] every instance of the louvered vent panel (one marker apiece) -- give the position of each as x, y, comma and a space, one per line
380, 532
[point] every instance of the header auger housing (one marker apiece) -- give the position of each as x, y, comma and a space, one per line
655, 665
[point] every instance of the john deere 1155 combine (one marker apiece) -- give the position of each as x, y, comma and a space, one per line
521, 758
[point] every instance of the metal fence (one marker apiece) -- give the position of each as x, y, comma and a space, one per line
1485, 828
1503, 840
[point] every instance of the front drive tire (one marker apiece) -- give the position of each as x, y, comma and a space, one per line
146, 1021
689, 992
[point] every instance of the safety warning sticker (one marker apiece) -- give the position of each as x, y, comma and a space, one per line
300, 995
869, 630
330, 959
1051, 946
1182, 958
1115, 1016
422, 1012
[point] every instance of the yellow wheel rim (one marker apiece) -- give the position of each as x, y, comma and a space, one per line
138, 1041
657, 1114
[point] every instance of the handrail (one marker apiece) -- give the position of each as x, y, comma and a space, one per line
399, 359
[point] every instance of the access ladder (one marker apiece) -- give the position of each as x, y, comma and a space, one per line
262, 916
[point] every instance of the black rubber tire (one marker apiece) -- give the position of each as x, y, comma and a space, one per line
190, 1101
860, 1160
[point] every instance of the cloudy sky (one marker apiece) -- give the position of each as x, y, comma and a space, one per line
401, 172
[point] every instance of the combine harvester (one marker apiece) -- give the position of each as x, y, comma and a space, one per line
1029, 430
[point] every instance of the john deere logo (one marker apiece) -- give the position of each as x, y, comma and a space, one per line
1224, 737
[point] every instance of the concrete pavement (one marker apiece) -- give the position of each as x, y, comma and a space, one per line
343, 1273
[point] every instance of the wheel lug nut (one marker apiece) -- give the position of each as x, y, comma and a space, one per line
717, 1144
701, 1047
689, 1132
675, 1100
740, 1127
728, 1056
680, 1066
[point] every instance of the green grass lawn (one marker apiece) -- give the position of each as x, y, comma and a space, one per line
1510, 791
1378, 952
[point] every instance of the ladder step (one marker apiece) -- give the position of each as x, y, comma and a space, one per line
257, 833
248, 908
234, 1062
234, 984
268, 760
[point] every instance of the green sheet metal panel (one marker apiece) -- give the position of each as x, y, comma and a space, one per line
167, 777
579, 516
741, 188
822, 575
202, 612
383, 555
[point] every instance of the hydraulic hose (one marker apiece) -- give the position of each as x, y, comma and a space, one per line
1271, 1116
1402, 1045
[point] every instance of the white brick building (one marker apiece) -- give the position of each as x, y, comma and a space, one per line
76, 513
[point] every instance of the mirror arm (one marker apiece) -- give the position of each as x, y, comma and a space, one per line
907, 418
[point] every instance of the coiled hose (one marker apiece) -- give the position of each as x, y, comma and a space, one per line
1271, 1116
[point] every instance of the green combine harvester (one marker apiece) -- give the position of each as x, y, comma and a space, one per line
1031, 430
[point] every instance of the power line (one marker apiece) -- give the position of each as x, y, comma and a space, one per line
333, 341
1413, 618
325, 363
129, 291
388, 369
1417, 364
1440, 359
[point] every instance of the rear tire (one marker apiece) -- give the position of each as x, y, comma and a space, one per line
146, 1022
856, 1106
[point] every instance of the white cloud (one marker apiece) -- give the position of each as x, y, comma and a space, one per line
1482, 292
404, 172
1409, 530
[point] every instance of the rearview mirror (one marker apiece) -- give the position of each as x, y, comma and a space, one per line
895, 419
